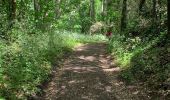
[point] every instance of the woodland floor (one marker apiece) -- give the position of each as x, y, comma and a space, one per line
90, 74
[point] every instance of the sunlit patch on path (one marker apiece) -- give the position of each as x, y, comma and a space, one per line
88, 74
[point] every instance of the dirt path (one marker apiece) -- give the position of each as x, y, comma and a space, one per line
88, 74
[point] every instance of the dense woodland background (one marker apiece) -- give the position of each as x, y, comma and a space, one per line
34, 33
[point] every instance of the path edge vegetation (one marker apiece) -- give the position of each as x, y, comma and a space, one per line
143, 52
35, 58
32, 31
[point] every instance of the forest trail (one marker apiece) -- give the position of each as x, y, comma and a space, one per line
89, 74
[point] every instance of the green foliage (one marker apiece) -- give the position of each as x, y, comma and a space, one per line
81, 38
141, 60
27, 62
151, 66
26, 65
141, 49
2, 98
29, 41
122, 49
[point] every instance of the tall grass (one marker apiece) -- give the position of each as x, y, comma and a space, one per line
27, 62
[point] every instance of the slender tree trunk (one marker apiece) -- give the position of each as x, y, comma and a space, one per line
57, 9
81, 14
104, 9
110, 7
13, 9
154, 11
168, 35
21, 10
124, 16
36, 9
166, 41
141, 4
168, 16
92, 10
12, 12
36, 12
159, 16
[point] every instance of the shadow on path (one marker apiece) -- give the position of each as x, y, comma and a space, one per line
85, 75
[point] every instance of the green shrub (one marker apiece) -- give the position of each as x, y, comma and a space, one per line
151, 66
26, 64
141, 60
27, 61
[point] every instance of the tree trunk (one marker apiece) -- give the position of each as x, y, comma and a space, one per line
166, 40
154, 12
124, 16
36, 9
159, 16
21, 10
168, 16
168, 34
12, 12
141, 4
13, 9
104, 9
57, 9
92, 10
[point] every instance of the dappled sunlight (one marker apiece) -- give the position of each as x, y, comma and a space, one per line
72, 49
118, 83
75, 82
79, 49
81, 69
89, 74
88, 58
84, 75
112, 69
108, 88
103, 60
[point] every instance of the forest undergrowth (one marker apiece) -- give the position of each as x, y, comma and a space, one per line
145, 60
35, 33
27, 62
